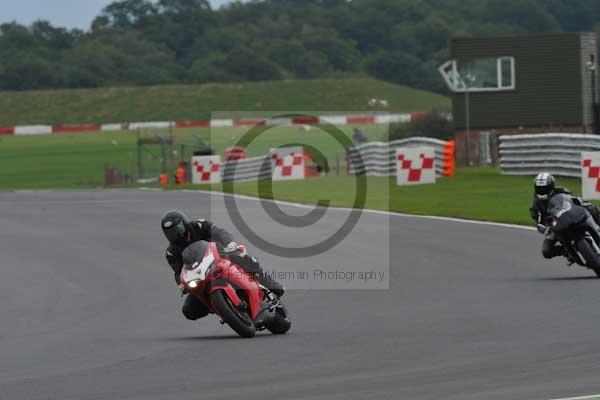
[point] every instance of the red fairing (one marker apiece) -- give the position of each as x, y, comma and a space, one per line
230, 291
228, 277
235, 276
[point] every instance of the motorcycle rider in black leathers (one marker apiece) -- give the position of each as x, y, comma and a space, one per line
181, 232
544, 188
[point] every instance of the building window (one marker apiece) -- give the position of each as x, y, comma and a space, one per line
480, 75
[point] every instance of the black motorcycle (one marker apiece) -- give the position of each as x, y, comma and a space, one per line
573, 226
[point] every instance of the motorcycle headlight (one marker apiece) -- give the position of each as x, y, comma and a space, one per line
193, 284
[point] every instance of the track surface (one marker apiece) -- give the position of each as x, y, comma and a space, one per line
88, 311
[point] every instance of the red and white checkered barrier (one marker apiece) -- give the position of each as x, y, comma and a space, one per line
590, 175
415, 166
288, 163
368, 119
292, 163
206, 169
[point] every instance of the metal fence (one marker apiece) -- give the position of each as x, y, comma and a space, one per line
379, 158
557, 153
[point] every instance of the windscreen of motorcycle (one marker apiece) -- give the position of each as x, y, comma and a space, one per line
559, 204
565, 212
194, 252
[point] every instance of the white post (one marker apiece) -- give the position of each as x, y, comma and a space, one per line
468, 125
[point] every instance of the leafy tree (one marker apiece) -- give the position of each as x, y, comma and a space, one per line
521, 13
436, 124
119, 58
396, 67
143, 42
126, 13
210, 69
180, 7
53, 38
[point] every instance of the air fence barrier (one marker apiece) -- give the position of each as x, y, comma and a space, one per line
557, 153
247, 169
262, 168
379, 158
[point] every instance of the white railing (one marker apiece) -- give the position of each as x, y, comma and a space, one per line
557, 153
378, 158
353, 119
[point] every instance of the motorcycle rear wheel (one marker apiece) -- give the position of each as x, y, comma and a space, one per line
589, 254
238, 320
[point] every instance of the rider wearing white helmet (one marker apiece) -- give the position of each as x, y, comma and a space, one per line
544, 188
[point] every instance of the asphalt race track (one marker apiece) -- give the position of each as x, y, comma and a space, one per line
88, 311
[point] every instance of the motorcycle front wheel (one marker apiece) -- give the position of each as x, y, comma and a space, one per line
281, 323
237, 319
591, 257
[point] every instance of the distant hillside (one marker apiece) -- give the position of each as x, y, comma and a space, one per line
181, 102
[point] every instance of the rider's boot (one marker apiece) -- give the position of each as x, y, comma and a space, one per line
561, 251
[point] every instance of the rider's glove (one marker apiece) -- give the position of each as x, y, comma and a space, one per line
230, 248
182, 290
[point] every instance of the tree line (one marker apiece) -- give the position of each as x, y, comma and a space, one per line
142, 42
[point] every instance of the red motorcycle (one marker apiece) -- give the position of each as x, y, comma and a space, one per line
231, 292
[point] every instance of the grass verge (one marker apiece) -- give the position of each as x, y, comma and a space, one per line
474, 193
77, 160
183, 102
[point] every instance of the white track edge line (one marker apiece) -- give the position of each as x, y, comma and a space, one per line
366, 210
308, 206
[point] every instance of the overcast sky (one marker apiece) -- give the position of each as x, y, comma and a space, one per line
66, 13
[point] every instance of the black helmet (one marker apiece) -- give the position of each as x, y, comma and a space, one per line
175, 226
544, 185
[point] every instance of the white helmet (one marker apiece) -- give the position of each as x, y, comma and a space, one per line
544, 185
